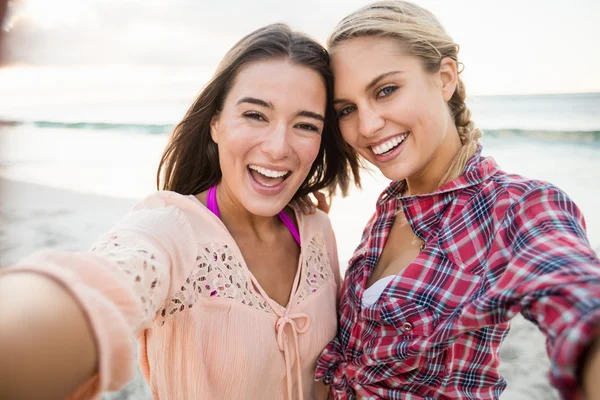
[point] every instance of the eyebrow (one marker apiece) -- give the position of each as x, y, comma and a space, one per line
269, 105
371, 84
380, 78
258, 102
310, 114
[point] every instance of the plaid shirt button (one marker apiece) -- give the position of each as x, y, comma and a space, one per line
407, 326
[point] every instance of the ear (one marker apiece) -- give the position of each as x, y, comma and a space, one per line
448, 75
214, 128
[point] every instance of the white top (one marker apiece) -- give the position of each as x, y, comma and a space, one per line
373, 292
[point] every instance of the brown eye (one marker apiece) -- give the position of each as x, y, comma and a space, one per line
254, 115
307, 127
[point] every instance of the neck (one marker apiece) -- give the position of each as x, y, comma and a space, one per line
238, 220
428, 179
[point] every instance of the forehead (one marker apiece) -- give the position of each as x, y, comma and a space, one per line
360, 59
279, 81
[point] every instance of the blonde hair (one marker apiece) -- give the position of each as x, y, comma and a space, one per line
424, 37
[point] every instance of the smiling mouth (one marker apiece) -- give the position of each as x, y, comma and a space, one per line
268, 177
389, 145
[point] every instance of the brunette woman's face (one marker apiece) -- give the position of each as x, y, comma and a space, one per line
269, 133
390, 109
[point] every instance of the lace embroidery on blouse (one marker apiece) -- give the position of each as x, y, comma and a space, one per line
316, 268
139, 264
218, 273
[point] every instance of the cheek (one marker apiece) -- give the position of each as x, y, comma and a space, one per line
422, 114
237, 142
411, 107
308, 150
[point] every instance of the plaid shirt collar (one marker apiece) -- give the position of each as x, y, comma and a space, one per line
425, 211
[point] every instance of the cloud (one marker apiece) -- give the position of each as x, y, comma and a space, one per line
507, 47
183, 32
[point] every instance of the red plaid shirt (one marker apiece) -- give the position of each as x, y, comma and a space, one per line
496, 245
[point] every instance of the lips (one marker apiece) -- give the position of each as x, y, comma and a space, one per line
389, 145
388, 149
269, 178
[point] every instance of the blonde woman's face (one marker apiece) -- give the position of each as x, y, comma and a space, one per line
392, 111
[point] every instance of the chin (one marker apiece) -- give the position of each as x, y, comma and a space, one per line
396, 174
265, 207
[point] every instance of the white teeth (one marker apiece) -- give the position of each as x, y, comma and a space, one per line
388, 145
268, 172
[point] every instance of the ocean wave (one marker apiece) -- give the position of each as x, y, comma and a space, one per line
95, 126
577, 136
592, 136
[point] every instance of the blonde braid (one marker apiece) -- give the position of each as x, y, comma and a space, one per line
467, 131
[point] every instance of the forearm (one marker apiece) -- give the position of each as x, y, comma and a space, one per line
590, 371
47, 347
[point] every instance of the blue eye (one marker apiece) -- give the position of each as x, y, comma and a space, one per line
254, 115
346, 111
386, 91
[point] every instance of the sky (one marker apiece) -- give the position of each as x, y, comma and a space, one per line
507, 47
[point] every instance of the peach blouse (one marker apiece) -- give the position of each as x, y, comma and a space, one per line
170, 272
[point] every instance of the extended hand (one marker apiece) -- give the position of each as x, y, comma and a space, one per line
307, 205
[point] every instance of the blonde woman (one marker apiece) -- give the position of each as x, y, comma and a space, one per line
231, 295
456, 247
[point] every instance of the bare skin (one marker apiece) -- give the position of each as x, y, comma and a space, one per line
272, 259
404, 246
307, 205
47, 347
268, 248
591, 373
396, 257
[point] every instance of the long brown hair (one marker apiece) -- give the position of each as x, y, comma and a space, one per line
190, 163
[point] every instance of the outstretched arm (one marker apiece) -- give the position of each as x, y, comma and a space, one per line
67, 319
553, 278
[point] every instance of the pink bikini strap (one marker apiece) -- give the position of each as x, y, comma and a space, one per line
211, 204
211, 201
287, 221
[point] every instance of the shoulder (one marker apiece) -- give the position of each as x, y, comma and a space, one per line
517, 187
524, 191
320, 235
162, 212
164, 199
167, 202
315, 223
511, 192
531, 202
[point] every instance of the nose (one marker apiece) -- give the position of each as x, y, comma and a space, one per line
276, 143
369, 120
